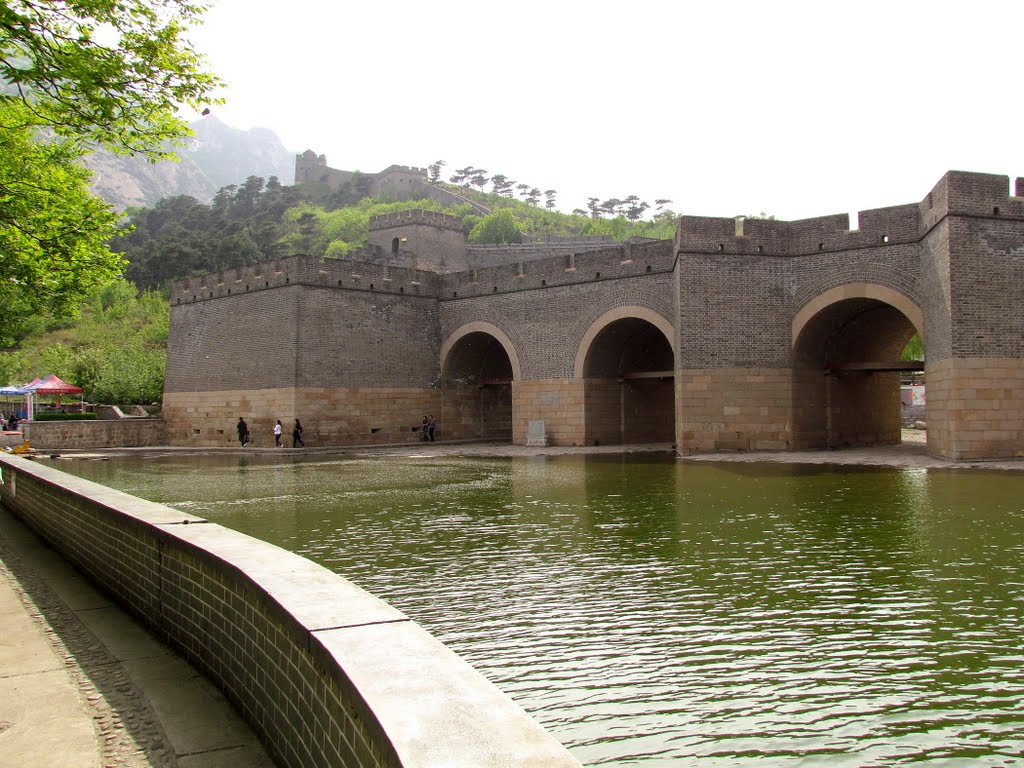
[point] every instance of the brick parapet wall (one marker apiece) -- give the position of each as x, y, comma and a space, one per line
434, 219
305, 270
120, 433
325, 673
974, 195
606, 263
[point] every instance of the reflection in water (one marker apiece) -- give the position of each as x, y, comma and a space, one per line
654, 612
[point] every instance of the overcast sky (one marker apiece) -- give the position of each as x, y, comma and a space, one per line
796, 109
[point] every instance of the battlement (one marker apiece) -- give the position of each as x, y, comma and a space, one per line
308, 271
615, 261
404, 169
365, 271
567, 240
415, 217
478, 256
957, 194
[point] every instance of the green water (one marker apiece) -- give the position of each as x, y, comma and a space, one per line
653, 612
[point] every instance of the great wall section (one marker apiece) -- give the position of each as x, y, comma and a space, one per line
736, 335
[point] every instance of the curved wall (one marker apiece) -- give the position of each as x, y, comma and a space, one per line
325, 673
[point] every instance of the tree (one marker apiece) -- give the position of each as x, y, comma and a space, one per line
108, 72
463, 175
496, 228
550, 202
53, 233
76, 75
635, 207
434, 171
611, 206
479, 178
502, 185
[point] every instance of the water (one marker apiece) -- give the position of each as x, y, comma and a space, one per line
658, 613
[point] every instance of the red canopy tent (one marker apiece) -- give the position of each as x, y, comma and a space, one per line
51, 385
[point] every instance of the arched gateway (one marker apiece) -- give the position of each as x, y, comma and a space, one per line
846, 366
478, 365
626, 361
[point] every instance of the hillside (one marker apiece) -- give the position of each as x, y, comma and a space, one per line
217, 156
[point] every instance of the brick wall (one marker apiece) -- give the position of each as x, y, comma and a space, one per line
325, 673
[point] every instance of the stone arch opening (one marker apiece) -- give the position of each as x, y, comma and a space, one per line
627, 364
847, 370
476, 393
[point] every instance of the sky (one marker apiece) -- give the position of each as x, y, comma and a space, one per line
793, 109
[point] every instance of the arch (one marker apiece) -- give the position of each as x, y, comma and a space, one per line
846, 366
857, 291
625, 367
482, 327
611, 316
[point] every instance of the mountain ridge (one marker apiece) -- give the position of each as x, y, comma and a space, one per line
216, 156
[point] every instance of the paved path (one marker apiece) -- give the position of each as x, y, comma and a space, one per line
83, 686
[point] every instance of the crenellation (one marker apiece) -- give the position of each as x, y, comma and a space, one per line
415, 217
307, 270
770, 237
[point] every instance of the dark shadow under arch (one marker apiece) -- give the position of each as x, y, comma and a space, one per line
629, 385
846, 375
476, 394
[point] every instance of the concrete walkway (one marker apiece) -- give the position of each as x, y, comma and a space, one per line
83, 686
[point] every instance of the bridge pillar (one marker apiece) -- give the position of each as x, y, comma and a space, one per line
556, 402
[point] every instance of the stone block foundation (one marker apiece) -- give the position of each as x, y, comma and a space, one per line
733, 409
975, 408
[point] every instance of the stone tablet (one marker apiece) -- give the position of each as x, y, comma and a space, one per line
536, 436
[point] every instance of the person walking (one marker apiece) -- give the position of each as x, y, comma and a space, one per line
277, 434
431, 426
243, 432
426, 434
297, 435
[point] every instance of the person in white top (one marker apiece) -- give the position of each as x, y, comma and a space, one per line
277, 434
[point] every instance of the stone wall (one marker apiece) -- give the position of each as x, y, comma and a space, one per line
326, 674
119, 433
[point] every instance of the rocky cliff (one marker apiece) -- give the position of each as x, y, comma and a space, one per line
218, 155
